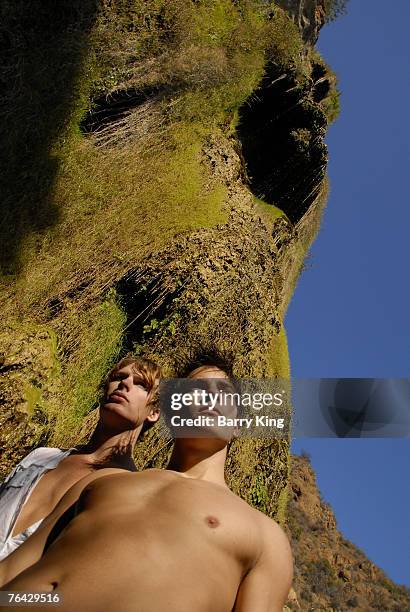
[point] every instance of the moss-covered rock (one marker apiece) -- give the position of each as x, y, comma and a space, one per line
29, 379
133, 142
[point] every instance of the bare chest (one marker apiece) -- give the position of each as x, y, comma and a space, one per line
49, 490
187, 513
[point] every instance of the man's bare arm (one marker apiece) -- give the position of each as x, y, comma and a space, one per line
266, 586
32, 549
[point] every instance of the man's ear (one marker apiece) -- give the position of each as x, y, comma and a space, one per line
154, 415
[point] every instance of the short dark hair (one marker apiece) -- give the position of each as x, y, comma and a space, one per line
209, 358
201, 359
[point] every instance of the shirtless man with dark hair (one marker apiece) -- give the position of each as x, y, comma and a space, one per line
175, 540
39, 481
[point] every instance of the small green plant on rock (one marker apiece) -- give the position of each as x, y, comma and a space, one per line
259, 493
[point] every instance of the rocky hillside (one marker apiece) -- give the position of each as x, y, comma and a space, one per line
331, 572
165, 178
166, 175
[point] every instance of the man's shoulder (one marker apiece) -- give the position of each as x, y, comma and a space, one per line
267, 523
270, 531
267, 583
276, 554
274, 536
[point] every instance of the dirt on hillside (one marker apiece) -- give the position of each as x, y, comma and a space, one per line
331, 573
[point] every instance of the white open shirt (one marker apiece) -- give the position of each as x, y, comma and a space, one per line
17, 488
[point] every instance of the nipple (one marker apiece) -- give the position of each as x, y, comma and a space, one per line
212, 521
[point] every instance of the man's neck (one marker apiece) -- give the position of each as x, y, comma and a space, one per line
104, 444
200, 460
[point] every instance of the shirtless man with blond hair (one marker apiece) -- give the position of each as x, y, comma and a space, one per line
40, 480
174, 540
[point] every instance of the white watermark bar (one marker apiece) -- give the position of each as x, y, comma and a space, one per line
226, 408
23, 598
278, 408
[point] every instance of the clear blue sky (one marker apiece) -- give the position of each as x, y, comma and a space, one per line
350, 314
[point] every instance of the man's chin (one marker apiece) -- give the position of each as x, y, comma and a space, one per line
113, 416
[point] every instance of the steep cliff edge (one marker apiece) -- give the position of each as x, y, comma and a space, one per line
331, 572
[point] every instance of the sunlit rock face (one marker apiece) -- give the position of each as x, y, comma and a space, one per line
331, 572
309, 15
177, 230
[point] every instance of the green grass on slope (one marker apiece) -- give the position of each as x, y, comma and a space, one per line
102, 209
278, 356
117, 208
270, 212
98, 345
